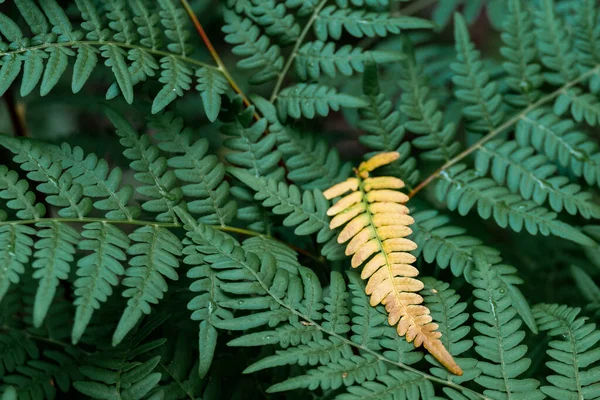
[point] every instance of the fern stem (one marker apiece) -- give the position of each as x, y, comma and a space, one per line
512, 121
111, 43
211, 49
294, 53
226, 228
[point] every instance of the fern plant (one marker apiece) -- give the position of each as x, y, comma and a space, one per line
181, 218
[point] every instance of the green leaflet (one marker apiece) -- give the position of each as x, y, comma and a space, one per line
310, 100
499, 338
211, 85
316, 58
177, 78
578, 341
55, 67
154, 252
33, 68
98, 271
384, 130
54, 251
16, 244
462, 189
84, 66
332, 21
116, 60
307, 210
472, 83
562, 142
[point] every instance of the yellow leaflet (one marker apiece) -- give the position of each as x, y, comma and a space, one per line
376, 224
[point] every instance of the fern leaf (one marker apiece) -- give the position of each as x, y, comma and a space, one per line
39, 163
472, 83
120, 21
499, 341
316, 58
554, 44
252, 150
257, 50
286, 257
174, 19
588, 289
16, 244
11, 67
377, 222
115, 58
462, 189
310, 100
519, 52
121, 373
587, 37
15, 350
55, 250
575, 350
559, 140
211, 85
147, 22
98, 271
18, 197
55, 67
98, 181
59, 21
51, 373
33, 68
447, 245
332, 21
151, 169
307, 211
83, 68
177, 78
384, 129
395, 383
533, 176
582, 106
425, 117
203, 174
155, 252
33, 16
449, 314
276, 22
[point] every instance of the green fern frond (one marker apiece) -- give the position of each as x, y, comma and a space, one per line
587, 35
275, 20
519, 51
332, 22
450, 316
286, 257
121, 372
98, 271
424, 116
99, 181
317, 58
54, 252
395, 383
17, 196
447, 245
311, 99
533, 177
41, 165
462, 189
44, 377
202, 173
582, 106
560, 140
211, 85
575, 354
499, 341
384, 129
151, 169
155, 251
15, 350
306, 211
16, 244
472, 83
256, 49
554, 44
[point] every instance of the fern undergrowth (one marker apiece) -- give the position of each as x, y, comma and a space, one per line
319, 199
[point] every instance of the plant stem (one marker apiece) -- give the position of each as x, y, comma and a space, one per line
294, 52
502, 128
41, 338
211, 49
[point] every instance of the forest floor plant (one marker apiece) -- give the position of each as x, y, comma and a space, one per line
201, 222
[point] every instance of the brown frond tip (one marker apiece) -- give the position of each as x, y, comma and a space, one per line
377, 224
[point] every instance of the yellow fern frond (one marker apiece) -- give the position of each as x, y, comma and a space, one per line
376, 223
